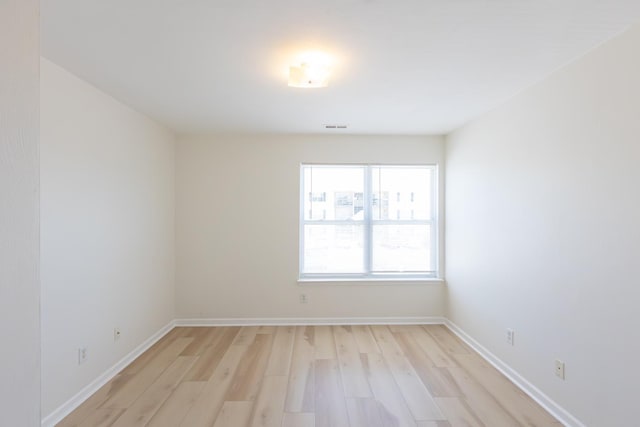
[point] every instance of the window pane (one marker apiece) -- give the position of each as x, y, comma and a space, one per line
333, 248
398, 248
333, 193
401, 192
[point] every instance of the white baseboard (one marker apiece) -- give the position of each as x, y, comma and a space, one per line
543, 400
66, 408
277, 321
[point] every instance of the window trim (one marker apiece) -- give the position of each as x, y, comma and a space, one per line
368, 224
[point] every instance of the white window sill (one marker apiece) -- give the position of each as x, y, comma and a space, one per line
370, 281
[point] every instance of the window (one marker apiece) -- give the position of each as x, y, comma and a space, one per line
371, 221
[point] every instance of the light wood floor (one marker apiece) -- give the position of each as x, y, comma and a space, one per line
299, 376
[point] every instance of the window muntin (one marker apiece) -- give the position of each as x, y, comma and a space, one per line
368, 221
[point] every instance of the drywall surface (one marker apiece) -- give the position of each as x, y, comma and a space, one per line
543, 233
107, 231
237, 222
19, 221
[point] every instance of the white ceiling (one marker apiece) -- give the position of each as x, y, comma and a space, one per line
402, 66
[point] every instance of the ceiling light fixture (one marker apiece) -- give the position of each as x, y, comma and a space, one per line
313, 71
308, 75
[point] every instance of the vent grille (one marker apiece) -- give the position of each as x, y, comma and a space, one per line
335, 126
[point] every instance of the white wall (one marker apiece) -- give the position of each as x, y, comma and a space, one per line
19, 223
543, 232
107, 217
232, 262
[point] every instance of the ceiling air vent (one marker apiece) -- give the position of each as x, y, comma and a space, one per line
335, 126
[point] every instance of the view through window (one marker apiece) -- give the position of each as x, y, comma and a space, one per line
369, 221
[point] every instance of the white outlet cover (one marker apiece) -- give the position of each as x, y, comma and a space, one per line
83, 355
560, 369
510, 336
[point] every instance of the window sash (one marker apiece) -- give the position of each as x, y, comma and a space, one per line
368, 222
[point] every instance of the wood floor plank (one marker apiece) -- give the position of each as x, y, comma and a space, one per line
418, 398
324, 343
141, 411
300, 419
364, 412
415, 393
204, 411
432, 348
192, 331
144, 359
248, 377
437, 380
102, 417
385, 340
204, 338
267, 330
269, 406
330, 404
300, 392
365, 340
91, 405
176, 332
393, 410
246, 335
182, 331
458, 414
203, 369
280, 360
354, 379
234, 414
447, 339
175, 408
515, 401
481, 403
124, 397
396, 329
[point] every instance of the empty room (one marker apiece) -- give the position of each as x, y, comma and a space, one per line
346, 213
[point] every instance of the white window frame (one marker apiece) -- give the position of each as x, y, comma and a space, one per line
368, 223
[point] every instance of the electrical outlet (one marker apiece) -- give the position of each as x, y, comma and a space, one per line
116, 333
560, 369
511, 337
83, 355
304, 299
